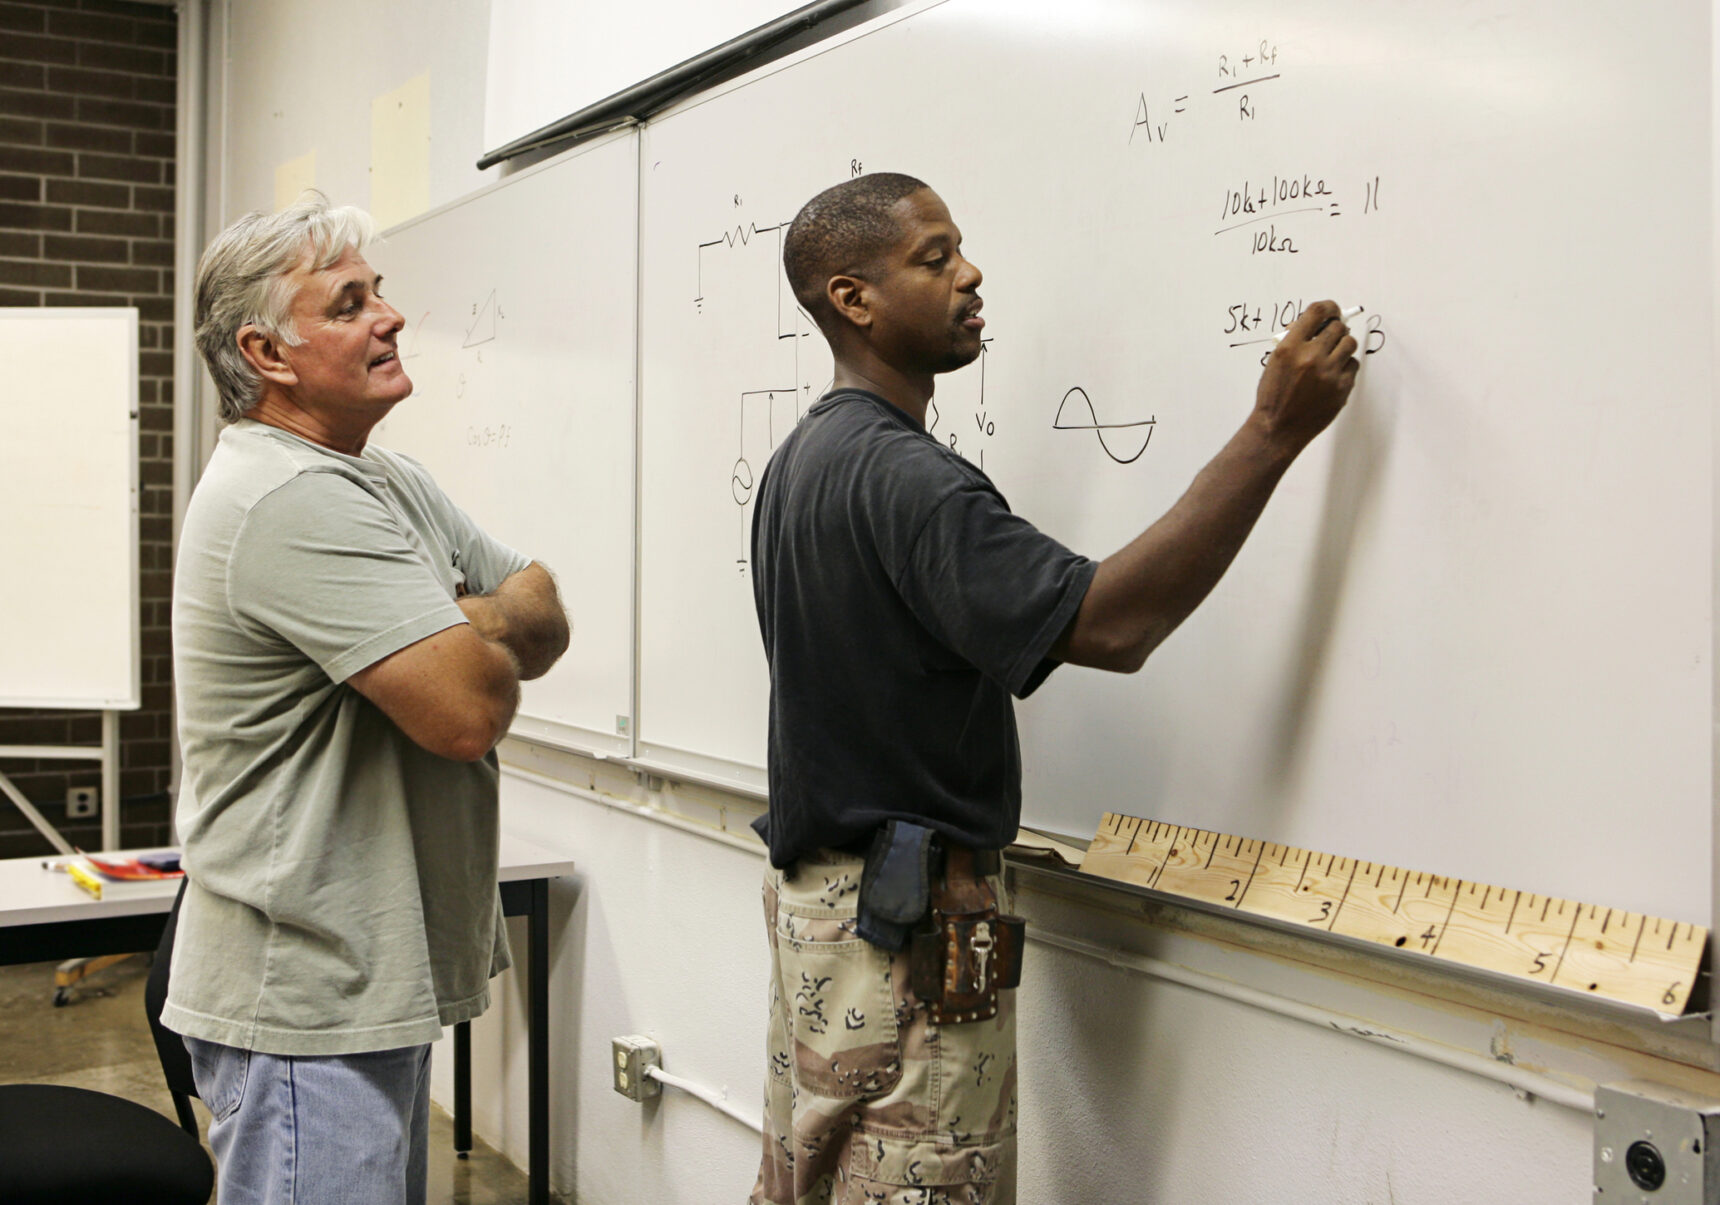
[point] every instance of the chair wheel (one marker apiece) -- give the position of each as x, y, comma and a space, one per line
62, 997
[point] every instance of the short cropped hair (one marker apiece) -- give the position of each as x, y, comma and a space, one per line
242, 279
842, 232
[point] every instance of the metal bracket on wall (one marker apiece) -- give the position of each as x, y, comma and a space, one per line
1655, 1145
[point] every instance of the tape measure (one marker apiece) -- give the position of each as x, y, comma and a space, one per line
1585, 948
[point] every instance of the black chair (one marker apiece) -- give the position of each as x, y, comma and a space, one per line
62, 1144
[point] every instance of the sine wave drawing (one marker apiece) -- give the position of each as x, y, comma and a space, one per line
1122, 442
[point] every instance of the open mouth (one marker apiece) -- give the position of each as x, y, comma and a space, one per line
384, 358
970, 317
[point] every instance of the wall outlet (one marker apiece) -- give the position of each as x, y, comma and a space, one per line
634, 1056
81, 802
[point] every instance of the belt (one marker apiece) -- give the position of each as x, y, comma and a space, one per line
959, 862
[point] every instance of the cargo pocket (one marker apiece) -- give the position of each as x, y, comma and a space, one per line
220, 1073
907, 1171
838, 1009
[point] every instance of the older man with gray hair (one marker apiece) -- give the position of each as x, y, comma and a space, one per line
348, 648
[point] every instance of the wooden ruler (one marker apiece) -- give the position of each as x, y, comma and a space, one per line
1585, 948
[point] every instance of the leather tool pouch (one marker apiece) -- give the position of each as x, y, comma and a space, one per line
896, 884
965, 953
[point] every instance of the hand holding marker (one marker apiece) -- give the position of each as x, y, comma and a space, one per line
1343, 317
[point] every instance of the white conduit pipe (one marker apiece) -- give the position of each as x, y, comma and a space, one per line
710, 1098
1526, 1083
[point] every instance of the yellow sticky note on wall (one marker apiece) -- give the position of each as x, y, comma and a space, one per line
400, 152
293, 177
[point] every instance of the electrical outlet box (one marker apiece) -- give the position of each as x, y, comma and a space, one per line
634, 1056
81, 802
1655, 1145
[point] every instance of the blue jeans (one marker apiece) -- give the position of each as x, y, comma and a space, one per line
322, 1130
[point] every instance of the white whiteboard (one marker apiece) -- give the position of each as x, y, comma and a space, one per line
1472, 633
68, 508
551, 58
519, 302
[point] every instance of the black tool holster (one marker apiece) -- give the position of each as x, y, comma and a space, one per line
934, 898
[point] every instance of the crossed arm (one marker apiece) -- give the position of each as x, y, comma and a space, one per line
455, 692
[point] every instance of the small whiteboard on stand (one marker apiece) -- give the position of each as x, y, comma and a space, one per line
69, 497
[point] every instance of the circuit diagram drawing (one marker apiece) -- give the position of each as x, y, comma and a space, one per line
738, 276
964, 397
1076, 412
483, 327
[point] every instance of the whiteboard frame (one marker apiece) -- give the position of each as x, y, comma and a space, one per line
1714, 501
132, 699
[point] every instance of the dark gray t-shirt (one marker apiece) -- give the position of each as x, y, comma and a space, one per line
901, 604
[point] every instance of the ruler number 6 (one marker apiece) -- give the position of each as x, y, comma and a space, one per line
1671, 996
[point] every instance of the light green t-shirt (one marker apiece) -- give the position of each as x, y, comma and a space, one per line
342, 891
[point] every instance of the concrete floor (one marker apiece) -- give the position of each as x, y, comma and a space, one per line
100, 1040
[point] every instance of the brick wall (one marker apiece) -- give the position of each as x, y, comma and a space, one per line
87, 100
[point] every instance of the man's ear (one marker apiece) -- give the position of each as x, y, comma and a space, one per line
851, 298
264, 355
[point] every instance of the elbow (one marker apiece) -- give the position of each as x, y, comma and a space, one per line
470, 744
554, 646
1129, 662
1127, 653
479, 725
1129, 659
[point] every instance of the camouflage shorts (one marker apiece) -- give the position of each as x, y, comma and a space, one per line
867, 1102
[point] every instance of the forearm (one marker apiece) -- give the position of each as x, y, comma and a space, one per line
1143, 592
1140, 594
452, 693
524, 615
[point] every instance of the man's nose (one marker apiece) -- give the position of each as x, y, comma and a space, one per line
972, 276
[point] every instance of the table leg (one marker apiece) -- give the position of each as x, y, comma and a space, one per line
537, 1079
462, 1089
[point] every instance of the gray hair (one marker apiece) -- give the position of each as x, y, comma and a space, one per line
242, 280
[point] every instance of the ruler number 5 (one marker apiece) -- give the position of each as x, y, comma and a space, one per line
1540, 964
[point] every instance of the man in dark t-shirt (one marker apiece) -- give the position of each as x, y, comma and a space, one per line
901, 605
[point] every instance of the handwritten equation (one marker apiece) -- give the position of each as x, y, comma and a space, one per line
1259, 324
1154, 121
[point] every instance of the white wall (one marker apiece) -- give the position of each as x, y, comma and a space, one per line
1134, 1088
302, 80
